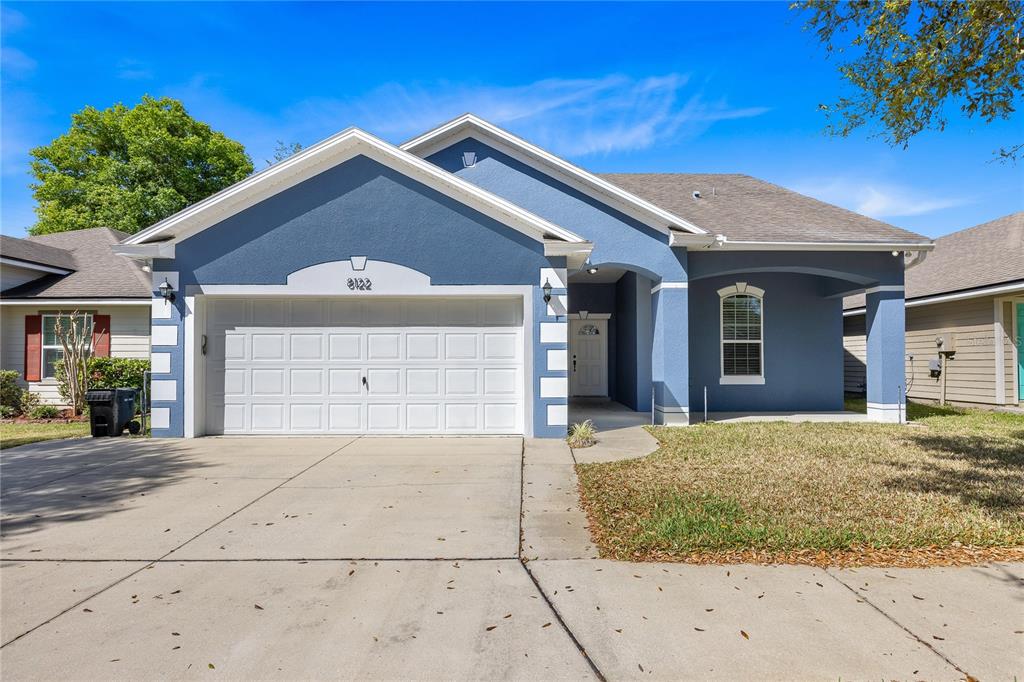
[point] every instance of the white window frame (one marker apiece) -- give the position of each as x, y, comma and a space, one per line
43, 346
740, 288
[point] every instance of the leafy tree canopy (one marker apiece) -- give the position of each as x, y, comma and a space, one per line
908, 60
127, 168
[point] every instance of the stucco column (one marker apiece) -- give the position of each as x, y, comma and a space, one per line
670, 367
886, 373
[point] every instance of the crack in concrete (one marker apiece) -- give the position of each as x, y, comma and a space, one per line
898, 624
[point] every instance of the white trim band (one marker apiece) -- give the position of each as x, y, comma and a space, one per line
889, 413
51, 302
670, 285
883, 287
741, 381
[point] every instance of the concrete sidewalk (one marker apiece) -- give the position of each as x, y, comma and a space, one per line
381, 558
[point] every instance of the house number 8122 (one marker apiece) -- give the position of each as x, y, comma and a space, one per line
359, 284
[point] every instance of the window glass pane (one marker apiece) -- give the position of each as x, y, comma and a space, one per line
49, 332
50, 356
50, 337
741, 359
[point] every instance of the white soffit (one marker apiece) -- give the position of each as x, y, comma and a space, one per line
325, 155
469, 125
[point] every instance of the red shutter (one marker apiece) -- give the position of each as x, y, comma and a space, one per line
33, 346
101, 336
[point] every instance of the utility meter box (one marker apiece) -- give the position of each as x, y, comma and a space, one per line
946, 342
934, 367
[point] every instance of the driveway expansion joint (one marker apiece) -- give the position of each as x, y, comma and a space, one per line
891, 619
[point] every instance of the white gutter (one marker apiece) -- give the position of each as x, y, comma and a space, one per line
723, 243
29, 265
942, 298
47, 302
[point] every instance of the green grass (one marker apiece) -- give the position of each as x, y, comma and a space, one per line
952, 476
13, 434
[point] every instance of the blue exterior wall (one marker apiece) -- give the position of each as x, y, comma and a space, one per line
362, 208
619, 240
633, 325
803, 346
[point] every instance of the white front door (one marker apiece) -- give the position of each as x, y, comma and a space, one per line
383, 365
588, 357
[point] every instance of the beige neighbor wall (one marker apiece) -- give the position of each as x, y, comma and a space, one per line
970, 374
129, 338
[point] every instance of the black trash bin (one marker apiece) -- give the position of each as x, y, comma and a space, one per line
110, 410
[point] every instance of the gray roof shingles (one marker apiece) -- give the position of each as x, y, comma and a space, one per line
35, 252
744, 208
984, 255
98, 272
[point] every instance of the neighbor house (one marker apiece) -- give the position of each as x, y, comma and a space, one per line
965, 319
68, 273
470, 282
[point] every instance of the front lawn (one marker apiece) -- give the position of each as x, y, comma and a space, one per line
948, 488
13, 434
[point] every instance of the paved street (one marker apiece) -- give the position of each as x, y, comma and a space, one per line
403, 558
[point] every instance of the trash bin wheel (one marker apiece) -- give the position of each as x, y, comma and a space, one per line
134, 427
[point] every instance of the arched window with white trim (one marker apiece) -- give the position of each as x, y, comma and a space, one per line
742, 334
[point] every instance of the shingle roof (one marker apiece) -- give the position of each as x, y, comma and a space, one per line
34, 252
747, 209
984, 255
98, 272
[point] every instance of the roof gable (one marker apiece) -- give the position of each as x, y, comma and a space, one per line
327, 154
594, 186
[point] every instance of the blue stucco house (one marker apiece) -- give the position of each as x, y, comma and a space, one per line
469, 282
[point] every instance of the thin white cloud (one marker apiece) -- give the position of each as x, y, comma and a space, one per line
16, 64
133, 70
877, 198
573, 117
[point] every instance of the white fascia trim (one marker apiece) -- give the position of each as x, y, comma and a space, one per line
942, 298
29, 265
883, 287
721, 242
672, 410
590, 316
567, 248
327, 154
466, 125
50, 302
145, 251
669, 285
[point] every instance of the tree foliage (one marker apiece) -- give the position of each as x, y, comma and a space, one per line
908, 62
128, 168
283, 150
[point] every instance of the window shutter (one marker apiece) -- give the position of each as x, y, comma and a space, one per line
33, 346
101, 336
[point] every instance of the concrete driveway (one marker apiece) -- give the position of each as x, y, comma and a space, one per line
372, 558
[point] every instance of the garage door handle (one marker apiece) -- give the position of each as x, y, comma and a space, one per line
574, 363
366, 384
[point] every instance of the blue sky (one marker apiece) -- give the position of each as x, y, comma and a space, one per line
687, 87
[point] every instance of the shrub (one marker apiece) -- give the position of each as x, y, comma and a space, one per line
27, 402
7, 412
581, 435
10, 391
108, 373
116, 372
45, 412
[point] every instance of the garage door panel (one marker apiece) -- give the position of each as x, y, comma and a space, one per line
431, 366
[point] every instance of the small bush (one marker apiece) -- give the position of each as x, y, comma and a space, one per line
7, 412
27, 402
10, 391
116, 372
45, 412
582, 435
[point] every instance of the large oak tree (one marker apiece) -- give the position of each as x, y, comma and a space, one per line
128, 168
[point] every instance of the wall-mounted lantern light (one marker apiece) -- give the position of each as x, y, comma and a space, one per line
547, 291
592, 270
166, 290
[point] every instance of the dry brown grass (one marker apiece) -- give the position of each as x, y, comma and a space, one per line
948, 488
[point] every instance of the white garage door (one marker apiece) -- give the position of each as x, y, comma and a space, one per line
374, 365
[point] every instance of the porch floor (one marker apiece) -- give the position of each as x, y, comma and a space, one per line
620, 430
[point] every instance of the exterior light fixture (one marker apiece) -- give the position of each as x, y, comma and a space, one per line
547, 290
592, 270
166, 290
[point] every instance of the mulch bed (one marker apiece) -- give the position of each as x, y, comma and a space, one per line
924, 557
